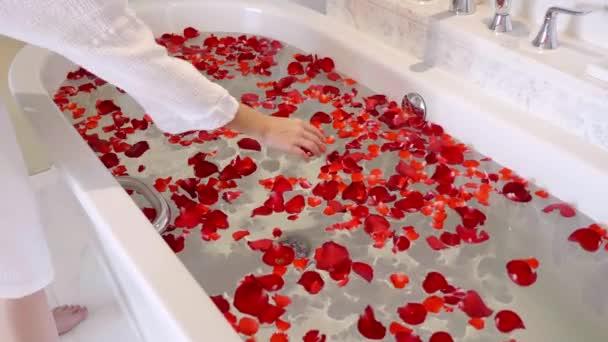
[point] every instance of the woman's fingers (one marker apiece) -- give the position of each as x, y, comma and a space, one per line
314, 130
310, 145
315, 140
294, 149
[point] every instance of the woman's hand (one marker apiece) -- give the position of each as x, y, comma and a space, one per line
293, 136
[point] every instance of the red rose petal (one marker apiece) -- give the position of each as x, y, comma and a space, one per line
412, 313
356, 192
278, 255
327, 190
271, 282
249, 144
507, 321
176, 243
281, 184
435, 243
414, 201
452, 154
407, 337
238, 235
441, 336
295, 205
109, 160
248, 326
295, 68
516, 192
369, 327
249, 98
312, 282
207, 195
471, 217
564, 209
333, 258
473, 305
250, 298
221, 303
191, 32
313, 336
381, 194
327, 64
364, 270
260, 245
433, 282
399, 280
587, 238
400, 243
521, 273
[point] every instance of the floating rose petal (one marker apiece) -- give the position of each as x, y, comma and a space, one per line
369, 327
312, 282
109, 160
278, 255
250, 298
435, 243
472, 235
412, 313
327, 190
191, 32
516, 192
399, 280
473, 305
250, 99
295, 68
433, 282
364, 270
320, 118
249, 144
441, 336
176, 243
221, 303
450, 239
587, 238
248, 326
507, 321
564, 209
314, 336
452, 154
333, 258
207, 195
471, 217
271, 282
238, 235
295, 205
521, 273
414, 201
400, 243
356, 192
281, 184
407, 337
378, 228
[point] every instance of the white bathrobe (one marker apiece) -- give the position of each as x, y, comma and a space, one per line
106, 38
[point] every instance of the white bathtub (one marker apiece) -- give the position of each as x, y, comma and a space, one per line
164, 300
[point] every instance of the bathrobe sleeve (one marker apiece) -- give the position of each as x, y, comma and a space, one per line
106, 38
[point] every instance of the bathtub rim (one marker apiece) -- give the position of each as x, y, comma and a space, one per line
549, 144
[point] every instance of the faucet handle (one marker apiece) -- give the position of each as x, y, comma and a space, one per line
502, 19
547, 36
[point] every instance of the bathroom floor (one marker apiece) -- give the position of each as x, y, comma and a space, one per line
403, 232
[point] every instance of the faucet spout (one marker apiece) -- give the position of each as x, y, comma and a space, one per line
462, 7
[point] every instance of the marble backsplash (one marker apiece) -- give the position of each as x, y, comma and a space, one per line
552, 85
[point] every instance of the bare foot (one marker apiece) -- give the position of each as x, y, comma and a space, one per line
68, 316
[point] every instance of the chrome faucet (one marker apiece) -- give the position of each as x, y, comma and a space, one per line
462, 7
547, 36
502, 19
